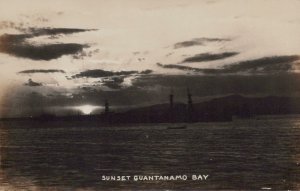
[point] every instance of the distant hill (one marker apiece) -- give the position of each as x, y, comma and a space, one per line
218, 109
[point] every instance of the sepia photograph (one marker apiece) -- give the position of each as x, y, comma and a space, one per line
100, 95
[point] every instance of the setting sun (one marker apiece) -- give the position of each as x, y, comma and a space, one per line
87, 109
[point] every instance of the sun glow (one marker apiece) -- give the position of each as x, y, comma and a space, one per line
87, 109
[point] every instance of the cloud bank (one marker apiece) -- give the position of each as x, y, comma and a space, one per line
273, 64
98, 73
18, 46
41, 71
198, 42
209, 57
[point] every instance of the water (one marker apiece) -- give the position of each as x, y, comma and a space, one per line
253, 154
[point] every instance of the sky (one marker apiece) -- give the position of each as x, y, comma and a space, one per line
56, 56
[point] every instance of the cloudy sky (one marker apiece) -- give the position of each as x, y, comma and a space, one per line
56, 55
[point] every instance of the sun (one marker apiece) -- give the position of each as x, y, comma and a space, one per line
86, 109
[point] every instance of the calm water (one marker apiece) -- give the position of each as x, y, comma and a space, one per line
254, 154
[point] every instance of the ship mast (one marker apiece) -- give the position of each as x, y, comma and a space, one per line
106, 107
171, 97
189, 105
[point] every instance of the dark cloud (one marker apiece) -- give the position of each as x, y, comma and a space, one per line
98, 73
41, 71
191, 69
32, 83
209, 57
82, 54
146, 72
55, 31
266, 64
102, 73
41, 52
18, 46
198, 41
110, 79
273, 64
114, 82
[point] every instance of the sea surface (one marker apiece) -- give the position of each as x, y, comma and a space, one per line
246, 154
